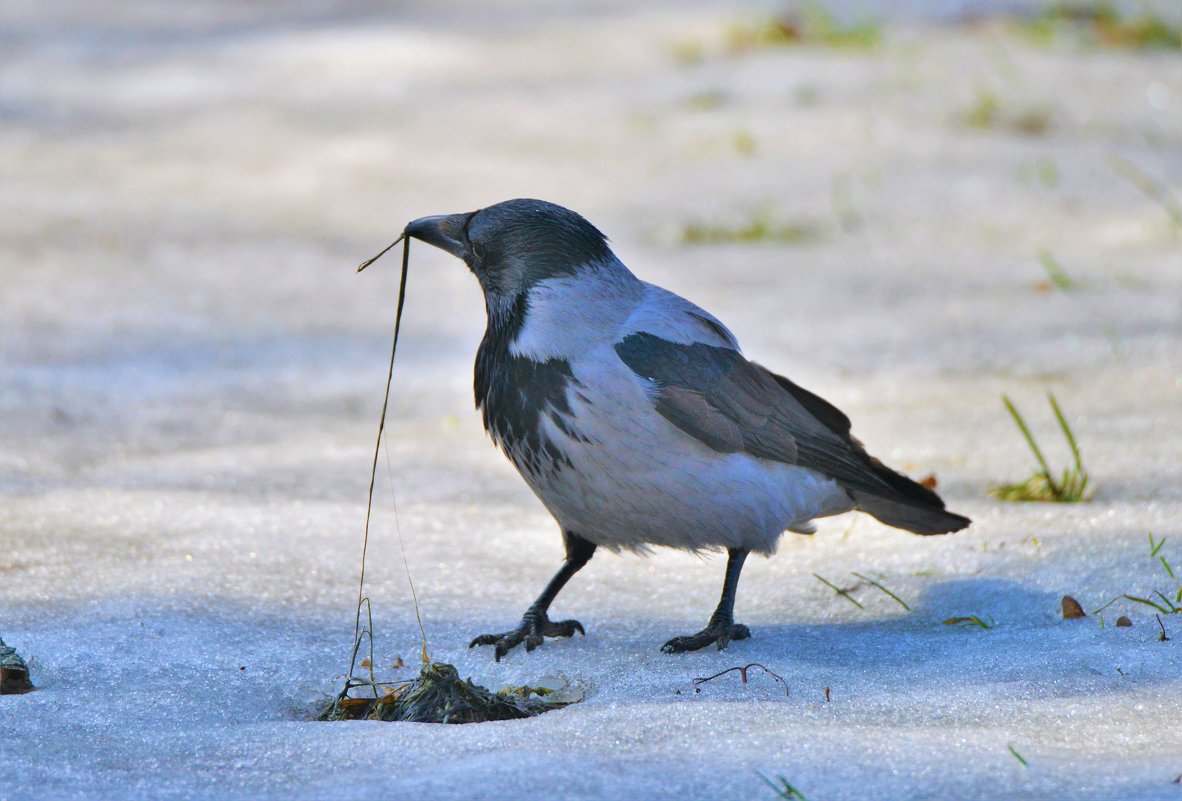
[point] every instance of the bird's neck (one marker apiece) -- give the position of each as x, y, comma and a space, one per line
525, 362
513, 392
564, 317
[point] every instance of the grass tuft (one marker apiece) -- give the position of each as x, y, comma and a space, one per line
744, 143
807, 24
1157, 600
1071, 486
987, 112
984, 111
1101, 24
761, 227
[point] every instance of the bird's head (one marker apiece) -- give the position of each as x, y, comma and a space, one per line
512, 246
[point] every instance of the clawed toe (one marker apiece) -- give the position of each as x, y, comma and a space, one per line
719, 633
563, 628
532, 631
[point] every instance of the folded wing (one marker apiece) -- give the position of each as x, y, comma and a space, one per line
732, 405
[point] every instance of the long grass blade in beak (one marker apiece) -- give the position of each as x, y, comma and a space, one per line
386, 249
373, 474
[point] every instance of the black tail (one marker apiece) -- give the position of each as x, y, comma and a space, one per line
906, 504
877, 490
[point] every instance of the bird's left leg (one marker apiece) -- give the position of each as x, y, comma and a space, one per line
722, 627
535, 623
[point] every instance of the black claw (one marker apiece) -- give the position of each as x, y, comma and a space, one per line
564, 628
533, 630
721, 634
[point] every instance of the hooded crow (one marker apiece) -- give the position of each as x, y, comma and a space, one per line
635, 418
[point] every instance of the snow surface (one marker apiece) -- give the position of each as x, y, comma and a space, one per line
191, 375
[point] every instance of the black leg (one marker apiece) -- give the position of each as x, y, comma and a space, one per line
535, 623
722, 627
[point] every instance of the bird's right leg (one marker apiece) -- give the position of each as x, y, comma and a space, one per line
535, 623
722, 628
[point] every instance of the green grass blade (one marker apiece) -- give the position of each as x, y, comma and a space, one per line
1018, 756
843, 593
784, 789
1055, 272
898, 600
1151, 187
1067, 433
1148, 602
1046, 470
1169, 603
1105, 606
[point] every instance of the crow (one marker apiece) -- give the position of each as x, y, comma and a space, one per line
634, 417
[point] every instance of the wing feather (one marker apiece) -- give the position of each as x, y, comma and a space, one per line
730, 404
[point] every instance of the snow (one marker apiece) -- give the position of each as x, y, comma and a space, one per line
191, 375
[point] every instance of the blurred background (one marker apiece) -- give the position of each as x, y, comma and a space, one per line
909, 208
860, 187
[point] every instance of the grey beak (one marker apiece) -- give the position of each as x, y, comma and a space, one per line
444, 231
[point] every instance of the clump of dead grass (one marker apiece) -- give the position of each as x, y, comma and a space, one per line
439, 695
14, 673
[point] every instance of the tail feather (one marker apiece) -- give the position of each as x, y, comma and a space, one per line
906, 504
875, 488
914, 518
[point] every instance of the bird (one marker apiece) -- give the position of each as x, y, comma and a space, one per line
637, 421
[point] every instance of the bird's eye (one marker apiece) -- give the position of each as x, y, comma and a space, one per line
477, 251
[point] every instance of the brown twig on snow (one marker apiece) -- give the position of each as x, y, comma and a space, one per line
743, 676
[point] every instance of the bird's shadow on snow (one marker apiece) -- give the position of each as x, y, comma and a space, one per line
921, 635
1001, 604
1027, 648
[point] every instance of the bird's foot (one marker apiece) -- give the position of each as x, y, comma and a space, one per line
719, 632
534, 628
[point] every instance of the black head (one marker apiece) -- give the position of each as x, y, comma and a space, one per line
513, 245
